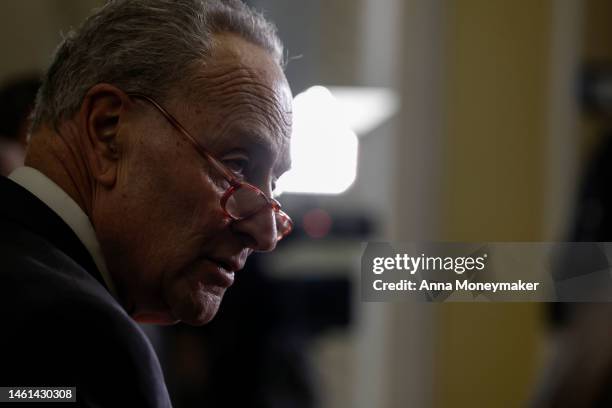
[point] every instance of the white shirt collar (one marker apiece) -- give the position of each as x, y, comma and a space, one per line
68, 210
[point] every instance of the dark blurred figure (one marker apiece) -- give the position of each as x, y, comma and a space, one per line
592, 218
16, 102
580, 371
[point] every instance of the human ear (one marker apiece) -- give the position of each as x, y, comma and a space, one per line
101, 112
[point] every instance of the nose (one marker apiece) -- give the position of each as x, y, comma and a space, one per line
259, 230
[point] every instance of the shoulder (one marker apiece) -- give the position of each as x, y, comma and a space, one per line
64, 328
38, 279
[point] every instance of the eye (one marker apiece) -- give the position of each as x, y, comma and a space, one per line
238, 165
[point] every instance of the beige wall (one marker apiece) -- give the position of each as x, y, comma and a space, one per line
31, 30
495, 148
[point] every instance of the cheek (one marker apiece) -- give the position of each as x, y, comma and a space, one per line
194, 221
180, 192
166, 211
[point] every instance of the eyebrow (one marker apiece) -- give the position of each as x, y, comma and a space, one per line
262, 143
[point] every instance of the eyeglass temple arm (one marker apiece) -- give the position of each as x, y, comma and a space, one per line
230, 177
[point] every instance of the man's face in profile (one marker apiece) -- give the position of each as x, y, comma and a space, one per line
171, 251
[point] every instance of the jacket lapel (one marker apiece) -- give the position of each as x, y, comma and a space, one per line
20, 206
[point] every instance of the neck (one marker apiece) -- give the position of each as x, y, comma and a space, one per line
59, 155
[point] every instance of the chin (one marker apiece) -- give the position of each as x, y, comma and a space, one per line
195, 306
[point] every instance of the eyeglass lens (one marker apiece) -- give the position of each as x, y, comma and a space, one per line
245, 202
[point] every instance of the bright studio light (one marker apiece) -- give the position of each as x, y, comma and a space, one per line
324, 142
363, 108
323, 147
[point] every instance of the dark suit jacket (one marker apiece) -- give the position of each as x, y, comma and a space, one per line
59, 324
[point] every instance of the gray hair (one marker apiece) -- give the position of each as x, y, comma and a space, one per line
144, 46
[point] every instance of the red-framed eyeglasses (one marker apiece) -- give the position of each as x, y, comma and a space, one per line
241, 200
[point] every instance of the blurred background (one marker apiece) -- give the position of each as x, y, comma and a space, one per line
462, 120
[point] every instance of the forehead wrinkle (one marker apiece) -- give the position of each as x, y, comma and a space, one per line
220, 74
247, 111
246, 102
225, 87
253, 129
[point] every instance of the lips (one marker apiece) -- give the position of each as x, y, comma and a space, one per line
224, 272
232, 264
224, 277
